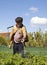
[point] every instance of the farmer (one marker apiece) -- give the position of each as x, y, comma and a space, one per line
18, 36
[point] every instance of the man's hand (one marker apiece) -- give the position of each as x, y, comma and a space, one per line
10, 45
22, 40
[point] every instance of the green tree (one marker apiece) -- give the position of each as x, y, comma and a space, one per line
45, 38
3, 41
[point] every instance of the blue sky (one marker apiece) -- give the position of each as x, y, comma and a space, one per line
34, 13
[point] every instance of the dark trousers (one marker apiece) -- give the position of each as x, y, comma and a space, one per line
18, 48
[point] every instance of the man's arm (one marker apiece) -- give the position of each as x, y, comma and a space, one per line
24, 34
11, 33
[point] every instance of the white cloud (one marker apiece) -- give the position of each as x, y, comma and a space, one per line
27, 14
34, 9
38, 20
46, 29
0, 31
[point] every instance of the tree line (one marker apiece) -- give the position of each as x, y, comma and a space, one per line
35, 39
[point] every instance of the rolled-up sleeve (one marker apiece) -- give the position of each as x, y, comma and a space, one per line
11, 33
24, 32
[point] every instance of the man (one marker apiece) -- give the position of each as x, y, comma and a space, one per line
18, 36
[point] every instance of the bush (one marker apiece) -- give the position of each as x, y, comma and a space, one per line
3, 41
17, 59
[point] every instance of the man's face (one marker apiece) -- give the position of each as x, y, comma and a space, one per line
19, 24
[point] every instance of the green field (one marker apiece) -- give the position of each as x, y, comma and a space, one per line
33, 50
32, 56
